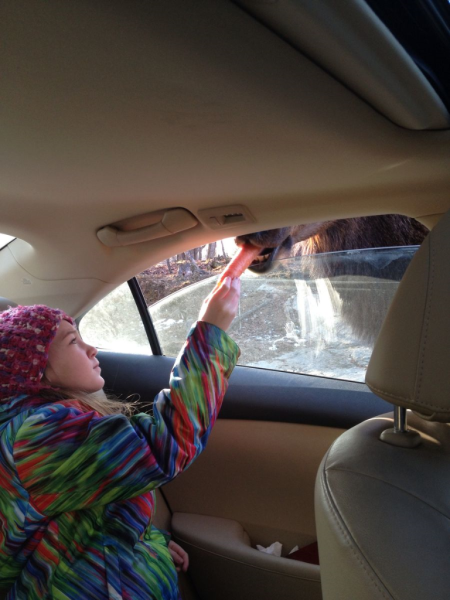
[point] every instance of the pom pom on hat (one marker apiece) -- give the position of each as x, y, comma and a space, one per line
26, 333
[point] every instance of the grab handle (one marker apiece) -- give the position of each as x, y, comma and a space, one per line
173, 221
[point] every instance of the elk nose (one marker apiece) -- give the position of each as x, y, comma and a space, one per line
242, 239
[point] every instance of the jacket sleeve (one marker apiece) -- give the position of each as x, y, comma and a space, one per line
69, 460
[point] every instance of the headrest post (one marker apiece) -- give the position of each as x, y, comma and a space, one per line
400, 435
400, 425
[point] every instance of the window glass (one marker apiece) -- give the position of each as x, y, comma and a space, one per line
114, 324
5, 239
317, 314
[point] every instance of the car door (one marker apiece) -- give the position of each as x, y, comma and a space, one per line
254, 484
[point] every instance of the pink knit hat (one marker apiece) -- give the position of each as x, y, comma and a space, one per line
26, 333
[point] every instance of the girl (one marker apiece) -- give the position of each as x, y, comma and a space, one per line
77, 474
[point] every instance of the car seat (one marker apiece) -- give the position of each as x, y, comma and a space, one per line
383, 489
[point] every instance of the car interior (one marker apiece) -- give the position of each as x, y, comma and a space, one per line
134, 131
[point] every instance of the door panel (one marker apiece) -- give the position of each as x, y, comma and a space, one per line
253, 394
258, 478
254, 484
259, 474
224, 565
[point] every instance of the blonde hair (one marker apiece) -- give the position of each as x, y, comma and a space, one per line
97, 401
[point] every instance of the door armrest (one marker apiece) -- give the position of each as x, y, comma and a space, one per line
229, 540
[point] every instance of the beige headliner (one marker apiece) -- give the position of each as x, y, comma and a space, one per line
114, 109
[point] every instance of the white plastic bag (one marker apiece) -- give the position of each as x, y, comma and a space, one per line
274, 549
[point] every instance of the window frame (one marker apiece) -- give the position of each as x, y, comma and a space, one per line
145, 317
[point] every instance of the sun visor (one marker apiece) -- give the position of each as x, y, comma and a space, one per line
352, 43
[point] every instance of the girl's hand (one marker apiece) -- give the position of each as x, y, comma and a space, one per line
220, 307
179, 556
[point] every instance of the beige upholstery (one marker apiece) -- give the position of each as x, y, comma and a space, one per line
225, 566
383, 511
163, 520
263, 482
410, 362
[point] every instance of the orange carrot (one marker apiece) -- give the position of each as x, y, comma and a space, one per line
240, 261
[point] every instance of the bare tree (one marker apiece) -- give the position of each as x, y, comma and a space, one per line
191, 259
198, 252
225, 255
212, 250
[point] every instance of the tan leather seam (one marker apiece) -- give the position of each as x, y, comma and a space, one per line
427, 321
397, 397
351, 544
392, 486
246, 564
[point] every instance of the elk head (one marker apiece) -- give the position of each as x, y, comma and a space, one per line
276, 244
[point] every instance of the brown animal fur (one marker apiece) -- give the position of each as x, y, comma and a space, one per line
361, 310
344, 234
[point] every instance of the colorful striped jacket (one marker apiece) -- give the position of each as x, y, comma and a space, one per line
76, 499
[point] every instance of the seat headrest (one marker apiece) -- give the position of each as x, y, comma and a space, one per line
410, 364
5, 304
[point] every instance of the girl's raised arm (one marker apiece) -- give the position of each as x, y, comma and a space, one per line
68, 459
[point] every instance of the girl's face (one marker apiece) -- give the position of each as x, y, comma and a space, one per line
71, 362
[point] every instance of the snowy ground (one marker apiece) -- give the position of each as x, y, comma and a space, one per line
282, 324
286, 321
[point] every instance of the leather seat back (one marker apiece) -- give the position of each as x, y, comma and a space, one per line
383, 510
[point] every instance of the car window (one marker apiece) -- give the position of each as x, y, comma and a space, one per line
5, 239
115, 325
317, 314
